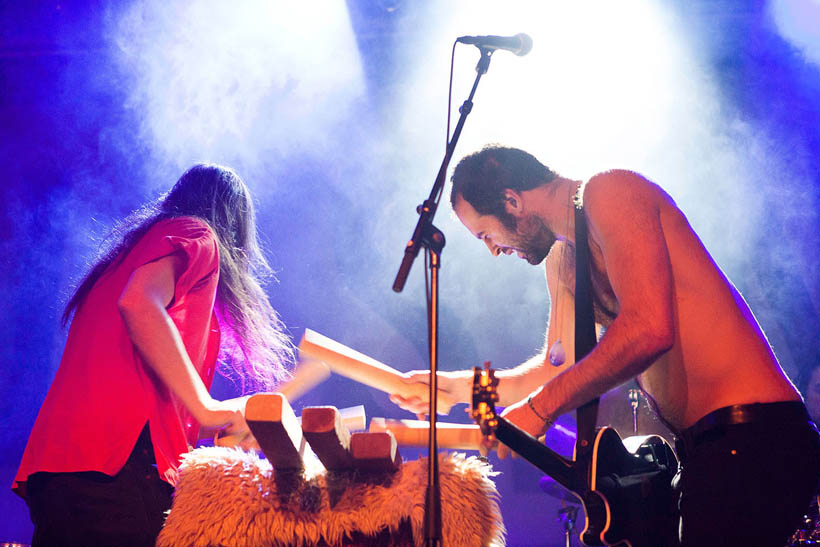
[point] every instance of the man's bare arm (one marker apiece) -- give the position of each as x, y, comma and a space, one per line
518, 382
623, 210
523, 379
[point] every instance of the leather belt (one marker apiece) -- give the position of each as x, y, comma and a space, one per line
783, 412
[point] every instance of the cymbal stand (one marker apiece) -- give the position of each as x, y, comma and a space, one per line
567, 516
634, 401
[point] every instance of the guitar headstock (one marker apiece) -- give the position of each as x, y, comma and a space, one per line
485, 395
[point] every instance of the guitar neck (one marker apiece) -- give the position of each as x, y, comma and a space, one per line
531, 449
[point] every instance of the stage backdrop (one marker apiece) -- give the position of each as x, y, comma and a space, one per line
335, 114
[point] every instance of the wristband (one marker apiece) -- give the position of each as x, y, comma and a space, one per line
546, 421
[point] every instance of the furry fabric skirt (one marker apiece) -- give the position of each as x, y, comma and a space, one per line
233, 498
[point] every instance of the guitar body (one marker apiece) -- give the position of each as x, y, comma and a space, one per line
625, 486
630, 500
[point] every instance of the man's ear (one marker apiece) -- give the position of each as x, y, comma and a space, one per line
513, 203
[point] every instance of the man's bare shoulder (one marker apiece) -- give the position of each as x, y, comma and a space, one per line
618, 183
621, 190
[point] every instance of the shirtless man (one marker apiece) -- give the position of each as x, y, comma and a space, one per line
671, 318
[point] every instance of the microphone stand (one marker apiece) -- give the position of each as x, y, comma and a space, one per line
431, 238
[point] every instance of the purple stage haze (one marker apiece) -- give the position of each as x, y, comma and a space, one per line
335, 117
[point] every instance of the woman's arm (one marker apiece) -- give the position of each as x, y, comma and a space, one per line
142, 305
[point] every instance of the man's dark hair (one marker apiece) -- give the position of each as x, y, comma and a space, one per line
482, 177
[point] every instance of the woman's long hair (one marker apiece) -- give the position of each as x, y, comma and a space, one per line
255, 348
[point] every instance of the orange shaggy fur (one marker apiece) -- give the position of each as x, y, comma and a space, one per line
229, 497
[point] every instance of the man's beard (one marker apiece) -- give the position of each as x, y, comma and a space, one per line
533, 238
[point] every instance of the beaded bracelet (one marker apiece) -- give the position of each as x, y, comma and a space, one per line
546, 421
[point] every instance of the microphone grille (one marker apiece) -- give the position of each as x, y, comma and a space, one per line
526, 44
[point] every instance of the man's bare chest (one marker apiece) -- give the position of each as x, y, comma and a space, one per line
604, 300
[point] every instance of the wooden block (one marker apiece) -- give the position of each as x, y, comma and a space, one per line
353, 419
417, 433
273, 423
375, 451
307, 374
364, 369
324, 430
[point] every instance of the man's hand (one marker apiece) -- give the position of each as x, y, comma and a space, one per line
521, 415
457, 385
416, 405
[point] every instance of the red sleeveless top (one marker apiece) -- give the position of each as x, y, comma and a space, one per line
103, 394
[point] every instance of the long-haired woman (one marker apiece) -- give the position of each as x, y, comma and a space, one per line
177, 291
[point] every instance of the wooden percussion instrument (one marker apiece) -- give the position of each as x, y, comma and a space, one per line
321, 484
361, 368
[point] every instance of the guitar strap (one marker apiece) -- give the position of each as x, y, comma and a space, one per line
585, 339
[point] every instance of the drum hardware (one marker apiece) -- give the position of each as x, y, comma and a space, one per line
634, 402
567, 515
568, 512
809, 531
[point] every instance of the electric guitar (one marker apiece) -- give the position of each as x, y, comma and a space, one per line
624, 486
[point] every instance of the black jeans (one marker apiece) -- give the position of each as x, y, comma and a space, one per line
747, 485
94, 509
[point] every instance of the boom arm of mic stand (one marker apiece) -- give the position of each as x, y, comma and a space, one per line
428, 208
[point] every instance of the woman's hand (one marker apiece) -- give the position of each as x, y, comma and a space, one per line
227, 418
227, 415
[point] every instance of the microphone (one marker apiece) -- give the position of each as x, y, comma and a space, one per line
520, 44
